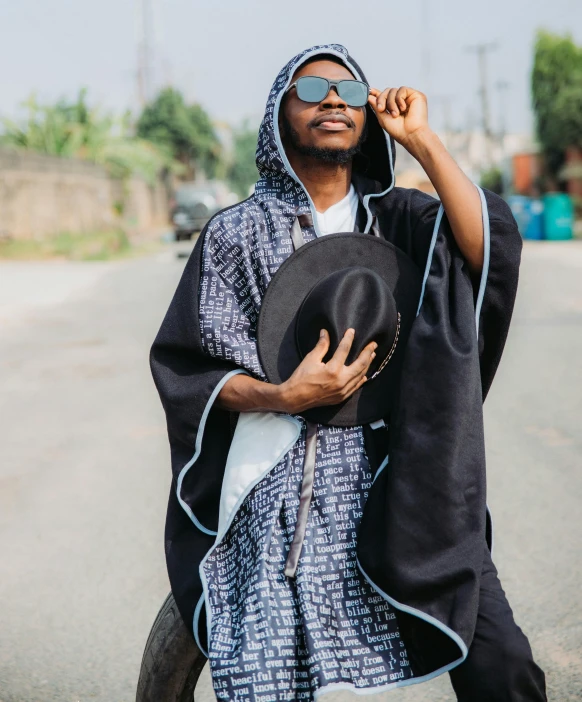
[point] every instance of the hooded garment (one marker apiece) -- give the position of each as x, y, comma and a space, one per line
422, 524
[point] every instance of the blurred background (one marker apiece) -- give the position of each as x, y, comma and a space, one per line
124, 125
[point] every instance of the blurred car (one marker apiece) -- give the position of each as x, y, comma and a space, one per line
193, 206
195, 203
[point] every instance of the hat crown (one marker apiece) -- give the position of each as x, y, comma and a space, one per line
355, 297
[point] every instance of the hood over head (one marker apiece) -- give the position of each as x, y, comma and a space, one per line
378, 153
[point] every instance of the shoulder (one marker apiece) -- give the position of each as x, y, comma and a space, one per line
421, 208
409, 206
406, 197
232, 230
421, 205
412, 201
234, 222
407, 217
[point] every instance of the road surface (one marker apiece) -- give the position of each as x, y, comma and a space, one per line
84, 475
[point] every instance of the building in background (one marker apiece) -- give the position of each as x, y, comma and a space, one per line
475, 154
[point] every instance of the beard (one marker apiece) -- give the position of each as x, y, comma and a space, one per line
338, 157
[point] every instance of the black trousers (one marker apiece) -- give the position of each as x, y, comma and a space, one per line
500, 666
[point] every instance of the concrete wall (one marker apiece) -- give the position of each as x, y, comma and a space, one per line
43, 195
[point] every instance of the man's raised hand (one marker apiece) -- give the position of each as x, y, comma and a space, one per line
400, 111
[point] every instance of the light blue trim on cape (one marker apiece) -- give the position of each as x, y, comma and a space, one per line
486, 255
435, 233
381, 467
481, 295
198, 449
195, 624
430, 620
491, 522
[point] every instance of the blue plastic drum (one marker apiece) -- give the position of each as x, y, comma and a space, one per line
558, 216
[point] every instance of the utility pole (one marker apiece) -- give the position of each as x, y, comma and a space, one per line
445, 101
502, 86
482, 50
425, 43
506, 170
144, 51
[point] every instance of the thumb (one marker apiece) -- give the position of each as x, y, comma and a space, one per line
322, 346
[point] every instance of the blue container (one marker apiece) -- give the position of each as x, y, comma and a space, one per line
528, 213
534, 228
519, 208
558, 216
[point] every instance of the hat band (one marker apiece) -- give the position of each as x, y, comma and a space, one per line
390, 353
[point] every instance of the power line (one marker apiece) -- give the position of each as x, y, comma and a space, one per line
482, 50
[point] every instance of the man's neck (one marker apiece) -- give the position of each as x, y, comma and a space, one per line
326, 183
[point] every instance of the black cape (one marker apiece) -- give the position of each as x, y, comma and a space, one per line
425, 524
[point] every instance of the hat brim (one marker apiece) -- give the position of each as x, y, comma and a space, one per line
294, 279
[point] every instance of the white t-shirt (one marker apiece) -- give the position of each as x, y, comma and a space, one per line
340, 217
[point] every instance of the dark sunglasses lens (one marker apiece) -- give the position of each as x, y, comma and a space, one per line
354, 92
312, 88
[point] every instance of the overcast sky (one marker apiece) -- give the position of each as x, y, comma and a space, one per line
225, 54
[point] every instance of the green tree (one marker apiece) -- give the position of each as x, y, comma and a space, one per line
242, 173
556, 84
492, 179
185, 131
74, 129
63, 129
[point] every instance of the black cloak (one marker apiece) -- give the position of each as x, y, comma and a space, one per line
425, 524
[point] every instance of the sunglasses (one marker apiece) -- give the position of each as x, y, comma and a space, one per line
315, 89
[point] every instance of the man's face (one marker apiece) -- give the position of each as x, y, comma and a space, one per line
330, 129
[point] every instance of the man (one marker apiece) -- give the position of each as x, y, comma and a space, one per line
394, 584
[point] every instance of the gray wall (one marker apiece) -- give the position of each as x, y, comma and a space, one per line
43, 195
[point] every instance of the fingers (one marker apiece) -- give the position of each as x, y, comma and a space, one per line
362, 362
392, 100
359, 384
391, 105
322, 346
343, 349
358, 369
354, 385
401, 96
382, 100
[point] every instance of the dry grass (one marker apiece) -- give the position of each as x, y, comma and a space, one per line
92, 246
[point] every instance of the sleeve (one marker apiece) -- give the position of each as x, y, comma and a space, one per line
498, 288
232, 286
495, 291
185, 376
188, 381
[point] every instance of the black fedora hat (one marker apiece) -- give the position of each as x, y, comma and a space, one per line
335, 282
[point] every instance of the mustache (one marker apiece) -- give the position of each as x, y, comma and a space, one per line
337, 116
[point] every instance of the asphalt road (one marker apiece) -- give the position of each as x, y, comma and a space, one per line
84, 475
